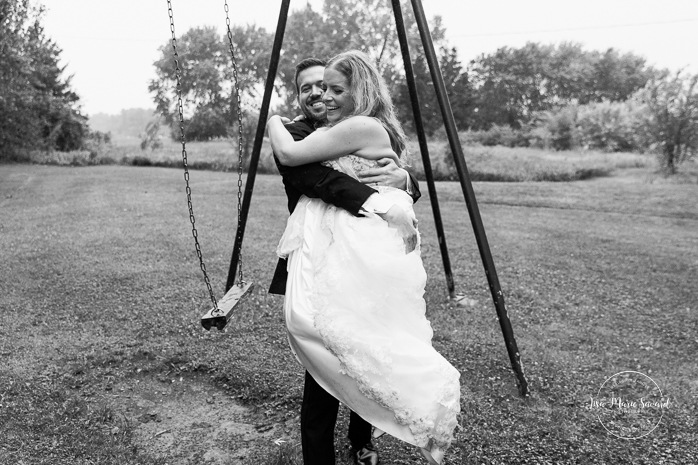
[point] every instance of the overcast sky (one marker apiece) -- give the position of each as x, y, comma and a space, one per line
110, 47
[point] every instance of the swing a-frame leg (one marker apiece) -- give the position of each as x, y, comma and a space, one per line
219, 316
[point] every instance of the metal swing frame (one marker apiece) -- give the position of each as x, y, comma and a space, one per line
456, 150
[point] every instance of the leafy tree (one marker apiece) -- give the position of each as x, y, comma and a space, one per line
203, 62
208, 95
18, 128
62, 126
672, 122
513, 85
615, 77
38, 106
367, 25
458, 88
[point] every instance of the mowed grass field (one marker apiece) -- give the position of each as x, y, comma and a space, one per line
103, 361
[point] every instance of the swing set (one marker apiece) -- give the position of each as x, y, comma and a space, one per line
222, 309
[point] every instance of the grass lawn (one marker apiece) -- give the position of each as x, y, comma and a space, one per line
103, 361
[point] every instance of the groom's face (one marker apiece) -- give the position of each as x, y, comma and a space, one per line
309, 83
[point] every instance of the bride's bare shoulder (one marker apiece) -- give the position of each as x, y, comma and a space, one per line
360, 121
363, 124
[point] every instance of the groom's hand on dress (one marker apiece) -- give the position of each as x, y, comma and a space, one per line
387, 173
405, 224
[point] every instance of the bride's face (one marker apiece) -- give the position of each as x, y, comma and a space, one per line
337, 96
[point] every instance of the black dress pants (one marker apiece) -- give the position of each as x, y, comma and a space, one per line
318, 418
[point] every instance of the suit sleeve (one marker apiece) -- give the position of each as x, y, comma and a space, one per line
416, 193
318, 181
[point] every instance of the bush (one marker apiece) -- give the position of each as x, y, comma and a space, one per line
97, 143
207, 123
604, 126
611, 126
54, 157
141, 161
670, 119
555, 129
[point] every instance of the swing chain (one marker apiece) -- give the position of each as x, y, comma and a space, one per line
194, 232
239, 118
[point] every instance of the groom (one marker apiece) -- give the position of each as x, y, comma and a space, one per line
319, 409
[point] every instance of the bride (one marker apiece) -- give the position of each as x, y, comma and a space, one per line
354, 307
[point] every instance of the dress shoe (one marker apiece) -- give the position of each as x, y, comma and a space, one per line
367, 455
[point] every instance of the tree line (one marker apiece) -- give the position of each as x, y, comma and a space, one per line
555, 96
38, 108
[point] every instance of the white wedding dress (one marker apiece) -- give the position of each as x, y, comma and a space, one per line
355, 315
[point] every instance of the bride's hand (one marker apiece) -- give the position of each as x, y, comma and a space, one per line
387, 173
406, 226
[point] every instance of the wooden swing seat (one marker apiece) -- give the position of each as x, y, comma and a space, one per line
220, 316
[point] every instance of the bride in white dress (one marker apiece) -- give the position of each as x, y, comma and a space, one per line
354, 304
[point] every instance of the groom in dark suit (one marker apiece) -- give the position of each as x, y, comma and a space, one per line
319, 409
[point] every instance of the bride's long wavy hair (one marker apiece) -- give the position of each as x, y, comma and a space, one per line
370, 94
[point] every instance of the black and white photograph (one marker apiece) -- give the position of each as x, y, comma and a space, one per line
332, 232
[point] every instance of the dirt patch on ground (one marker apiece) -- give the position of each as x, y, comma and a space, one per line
185, 420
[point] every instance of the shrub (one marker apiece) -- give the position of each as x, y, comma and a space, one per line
671, 118
555, 129
604, 126
503, 135
97, 143
141, 161
611, 126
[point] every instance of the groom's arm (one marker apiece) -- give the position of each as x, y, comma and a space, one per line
318, 181
331, 186
381, 173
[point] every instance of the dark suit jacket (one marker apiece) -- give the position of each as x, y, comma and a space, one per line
318, 181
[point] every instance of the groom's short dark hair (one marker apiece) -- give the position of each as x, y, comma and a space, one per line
305, 64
